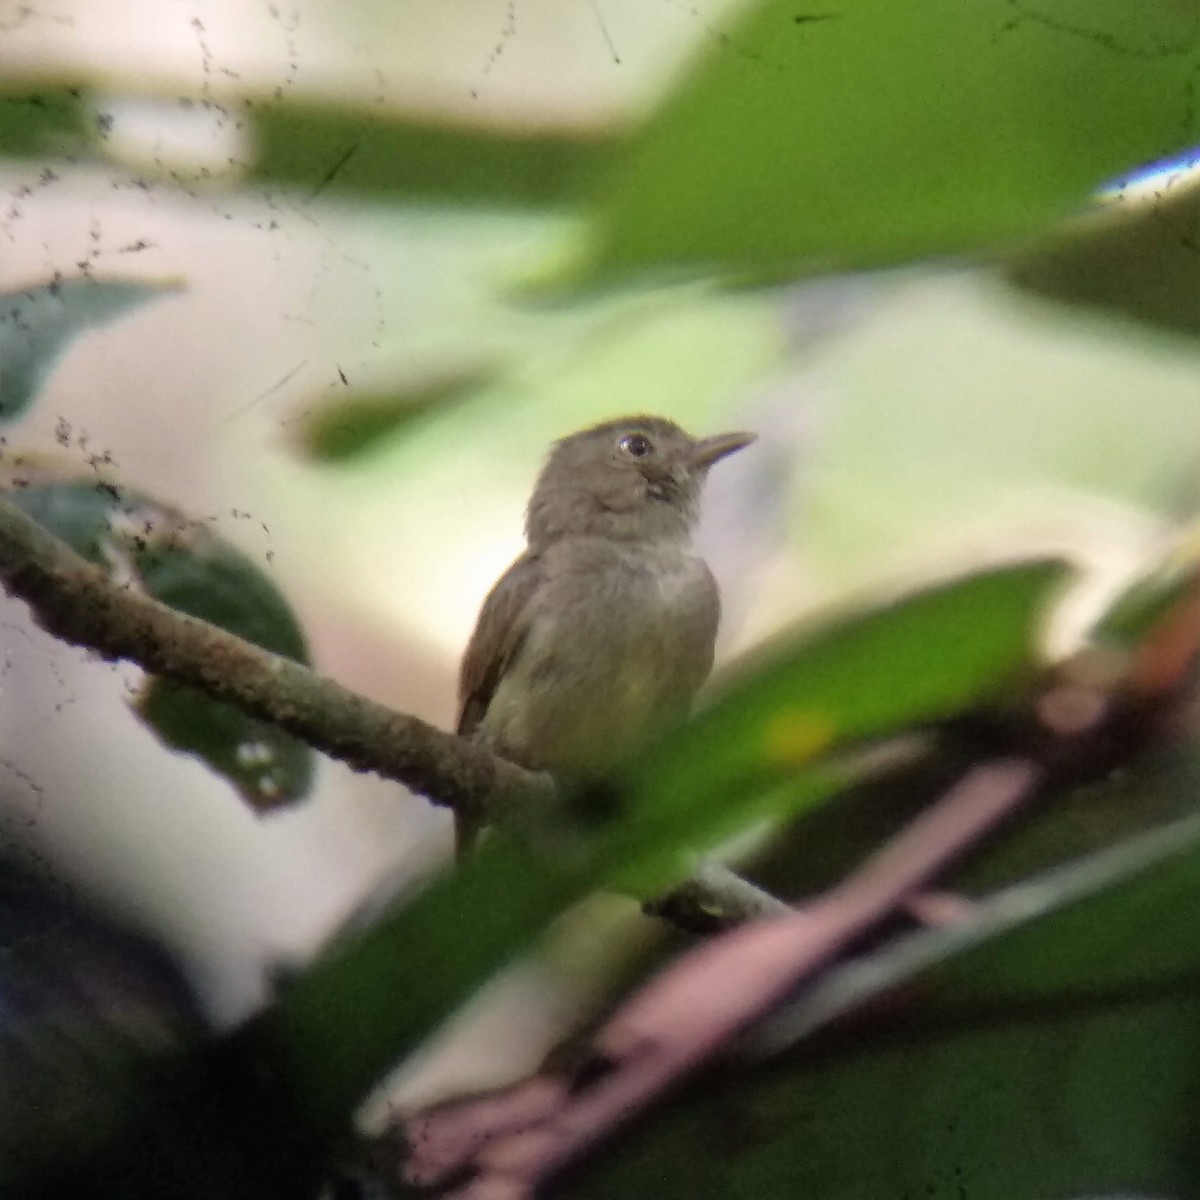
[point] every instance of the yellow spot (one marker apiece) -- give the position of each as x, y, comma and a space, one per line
795, 736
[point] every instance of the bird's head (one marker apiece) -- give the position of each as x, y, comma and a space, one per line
634, 479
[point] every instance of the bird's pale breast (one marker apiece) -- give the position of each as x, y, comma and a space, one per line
620, 640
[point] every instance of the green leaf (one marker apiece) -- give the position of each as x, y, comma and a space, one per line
266, 766
42, 122
343, 1023
37, 325
764, 745
185, 565
325, 150
79, 513
873, 132
84, 1003
1139, 260
1049, 1045
359, 422
264, 1109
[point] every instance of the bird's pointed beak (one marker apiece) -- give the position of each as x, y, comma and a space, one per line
707, 451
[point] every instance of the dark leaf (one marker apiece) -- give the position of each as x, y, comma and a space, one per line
83, 1003
185, 565
36, 327
323, 150
342, 150
352, 425
44, 122
1136, 259
1049, 1045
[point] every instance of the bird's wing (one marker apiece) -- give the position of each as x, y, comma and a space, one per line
498, 635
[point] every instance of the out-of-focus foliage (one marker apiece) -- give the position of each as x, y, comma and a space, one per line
1142, 264
332, 152
83, 1004
185, 565
43, 122
497, 904
1045, 1046
1142, 605
328, 150
36, 326
345, 428
814, 141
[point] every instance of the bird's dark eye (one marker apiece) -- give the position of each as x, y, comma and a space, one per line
636, 445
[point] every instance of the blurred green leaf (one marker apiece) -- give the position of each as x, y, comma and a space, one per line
42, 122
268, 767
375, 998
817, 851
877, 132
79, 513
325, 149
764, 744
1048, 1045
1137, 610
1138, 259
185, 565
37, 325
262, 1111
358, 422
329, 151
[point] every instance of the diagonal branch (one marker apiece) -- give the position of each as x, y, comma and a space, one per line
77, 602
714, 898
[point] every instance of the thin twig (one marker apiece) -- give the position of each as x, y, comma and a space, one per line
715, 898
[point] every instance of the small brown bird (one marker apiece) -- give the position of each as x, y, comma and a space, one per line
604, 627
